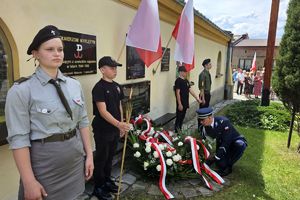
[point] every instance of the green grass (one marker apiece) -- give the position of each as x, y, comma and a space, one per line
267, 170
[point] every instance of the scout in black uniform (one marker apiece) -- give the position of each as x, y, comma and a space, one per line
182, 90
107, 125
230, 144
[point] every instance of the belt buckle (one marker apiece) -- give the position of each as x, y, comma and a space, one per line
67, 136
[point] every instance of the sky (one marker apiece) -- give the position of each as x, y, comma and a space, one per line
247, 16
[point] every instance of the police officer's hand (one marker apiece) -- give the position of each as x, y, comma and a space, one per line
210, 160
180, 107
124, 128
34, 191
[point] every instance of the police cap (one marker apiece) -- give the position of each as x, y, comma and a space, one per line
108, 61
47, 33
204, 112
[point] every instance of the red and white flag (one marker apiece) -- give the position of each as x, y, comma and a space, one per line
253, 67
184, 35
144, 32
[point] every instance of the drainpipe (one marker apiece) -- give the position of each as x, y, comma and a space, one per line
228, 89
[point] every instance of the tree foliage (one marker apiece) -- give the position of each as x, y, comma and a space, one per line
286, 79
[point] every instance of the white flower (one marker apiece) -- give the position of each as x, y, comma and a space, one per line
198, 147
138, 132
161, 146
176, 158
131, 127
169, 153
169, 162
146, 164
175, 139
180, 144
136, 145
148, 144
148, 149
137, 154
158, 168
155, 154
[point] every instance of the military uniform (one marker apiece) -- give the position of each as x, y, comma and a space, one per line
204, 84
35, 113
230, 145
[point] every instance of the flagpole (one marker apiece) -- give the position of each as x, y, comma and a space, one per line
154, 70
128, 112
122, 49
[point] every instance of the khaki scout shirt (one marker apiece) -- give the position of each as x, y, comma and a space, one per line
34, 110
204, 82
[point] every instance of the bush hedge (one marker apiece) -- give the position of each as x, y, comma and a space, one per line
251, 114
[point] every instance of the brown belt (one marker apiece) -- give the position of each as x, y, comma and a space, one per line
57, 137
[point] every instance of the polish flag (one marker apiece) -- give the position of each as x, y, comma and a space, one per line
144, 33
253, 67
184, 35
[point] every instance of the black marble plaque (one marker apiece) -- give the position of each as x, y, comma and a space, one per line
135, 67
165, 61
140, 97
80, 53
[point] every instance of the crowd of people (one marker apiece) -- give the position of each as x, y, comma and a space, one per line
248, 83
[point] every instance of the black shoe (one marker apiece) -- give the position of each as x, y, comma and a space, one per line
225, 172
101, 193
111, 186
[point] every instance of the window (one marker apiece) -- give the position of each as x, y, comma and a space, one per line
245, 64
219, 65
6, 77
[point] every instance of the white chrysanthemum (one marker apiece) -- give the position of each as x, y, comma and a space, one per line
169, 153
158, 168
175, 139
179, 157
138, 132
155, 154
175, 158
137, 154
146, 164
169, 162
148, 144
161, 146
136, 145
148, 149
131, 127
180, 144
198, 147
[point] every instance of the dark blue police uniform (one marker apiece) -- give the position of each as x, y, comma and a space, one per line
230, 145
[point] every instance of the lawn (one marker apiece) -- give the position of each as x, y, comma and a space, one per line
268, 170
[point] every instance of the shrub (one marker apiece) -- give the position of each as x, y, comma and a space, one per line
251, 114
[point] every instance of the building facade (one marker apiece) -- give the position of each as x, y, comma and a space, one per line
243, 53
108, 21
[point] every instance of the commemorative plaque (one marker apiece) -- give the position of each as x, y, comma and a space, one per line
165, 61
135, 67
140, 97
80, 53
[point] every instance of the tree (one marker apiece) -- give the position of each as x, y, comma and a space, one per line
286, 79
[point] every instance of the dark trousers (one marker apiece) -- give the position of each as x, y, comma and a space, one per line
236, 151
239, 87
105, 151
179, 119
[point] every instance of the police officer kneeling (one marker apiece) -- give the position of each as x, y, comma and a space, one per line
230, 145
